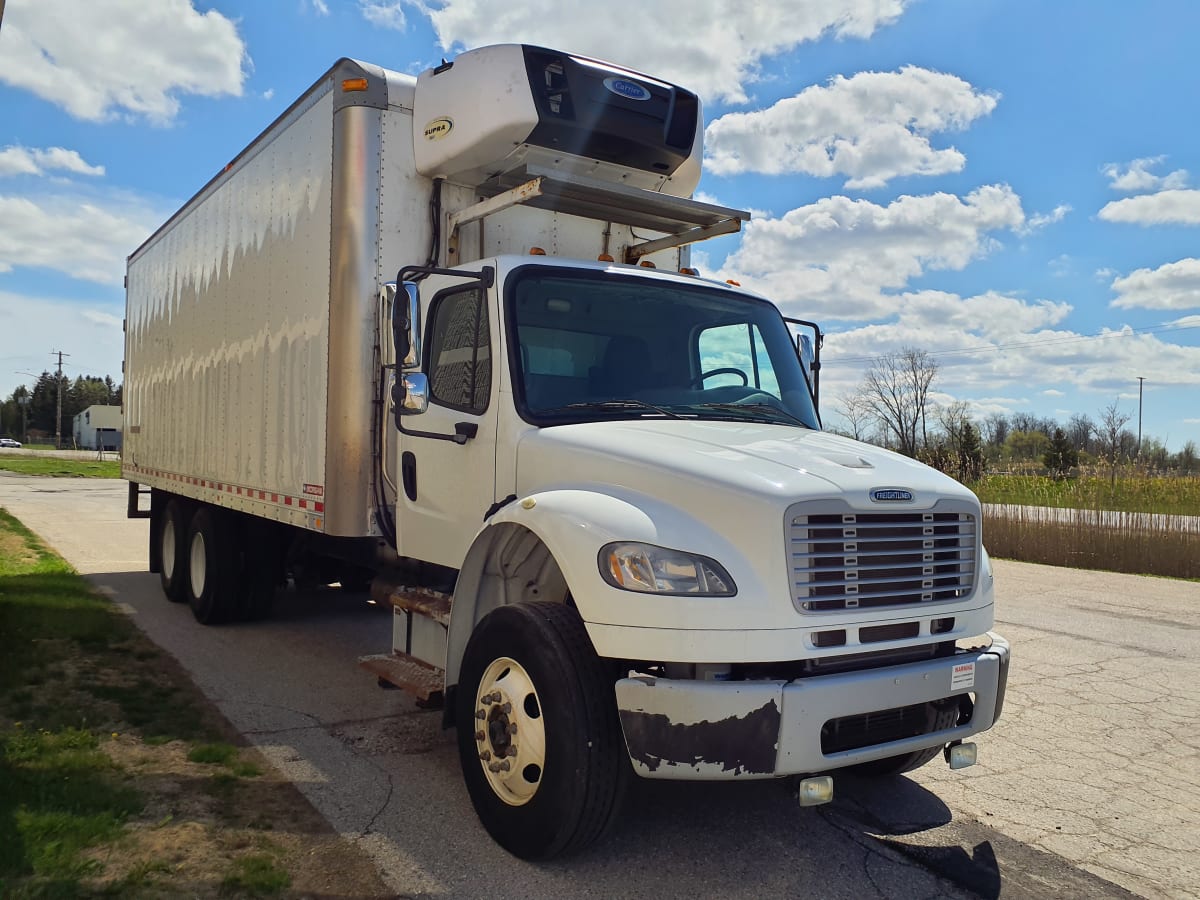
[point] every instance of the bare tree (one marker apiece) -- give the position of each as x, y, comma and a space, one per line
855, 408
1110, 437
996, 428
896, 387
1080, 430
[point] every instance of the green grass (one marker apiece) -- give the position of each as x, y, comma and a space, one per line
1129, 493
219, 754
256, 874
73, 670
61, 468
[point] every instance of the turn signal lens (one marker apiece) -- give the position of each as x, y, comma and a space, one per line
354, 84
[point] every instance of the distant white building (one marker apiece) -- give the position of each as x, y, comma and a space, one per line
98, 428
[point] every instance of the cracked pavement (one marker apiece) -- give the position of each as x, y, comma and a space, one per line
1088, 786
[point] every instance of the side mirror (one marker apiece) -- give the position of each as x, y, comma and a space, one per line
416, 394
406, 326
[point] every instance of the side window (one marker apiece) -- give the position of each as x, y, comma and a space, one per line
460, 352
739, 352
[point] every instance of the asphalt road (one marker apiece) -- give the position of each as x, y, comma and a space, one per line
1088, 787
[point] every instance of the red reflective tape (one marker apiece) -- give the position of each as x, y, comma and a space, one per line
287, 501
319, 507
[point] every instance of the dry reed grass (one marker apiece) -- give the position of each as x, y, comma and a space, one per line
1095, 539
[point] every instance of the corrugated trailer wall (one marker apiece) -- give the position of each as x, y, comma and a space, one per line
228, 332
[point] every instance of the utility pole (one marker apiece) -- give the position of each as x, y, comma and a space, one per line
58, 416
1141, 381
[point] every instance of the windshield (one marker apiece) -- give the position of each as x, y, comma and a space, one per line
592, 345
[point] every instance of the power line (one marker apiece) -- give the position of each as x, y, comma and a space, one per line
1046, 342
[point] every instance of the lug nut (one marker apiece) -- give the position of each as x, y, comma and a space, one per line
479, 735
512, 751
485, 755
503, 767
506, 708
512, 728
481, 714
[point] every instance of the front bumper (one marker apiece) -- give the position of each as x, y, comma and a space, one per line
713, 730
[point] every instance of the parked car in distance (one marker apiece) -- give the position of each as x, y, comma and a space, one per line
9, 442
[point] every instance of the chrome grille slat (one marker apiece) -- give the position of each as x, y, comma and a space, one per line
847, 560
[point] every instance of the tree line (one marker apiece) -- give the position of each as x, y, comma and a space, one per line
891, 408
42, 403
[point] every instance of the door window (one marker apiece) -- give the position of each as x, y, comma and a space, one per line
738, 354
460, 352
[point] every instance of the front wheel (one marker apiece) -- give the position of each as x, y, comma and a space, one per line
538, 736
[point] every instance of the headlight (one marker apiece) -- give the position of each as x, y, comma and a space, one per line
657, 570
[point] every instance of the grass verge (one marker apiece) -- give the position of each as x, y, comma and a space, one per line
117, 778
60, 468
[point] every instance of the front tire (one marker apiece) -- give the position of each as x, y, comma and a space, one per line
212, 568
538, 735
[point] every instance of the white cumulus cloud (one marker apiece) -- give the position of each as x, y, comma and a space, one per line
709, 46
384, 13
1169, 207
836, 257
1172, 286
75, 235
18, 160
872, 127
106, 58
1136, 177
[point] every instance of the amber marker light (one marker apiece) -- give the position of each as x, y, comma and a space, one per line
605, 257
688, 270
646, 264
536, 251
354, 84
734, 283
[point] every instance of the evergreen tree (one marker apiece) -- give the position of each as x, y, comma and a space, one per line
1061, 456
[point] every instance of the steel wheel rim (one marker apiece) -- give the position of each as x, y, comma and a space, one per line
198, 559
510, 731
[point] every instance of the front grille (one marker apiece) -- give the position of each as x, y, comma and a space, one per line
854, 560
886, 725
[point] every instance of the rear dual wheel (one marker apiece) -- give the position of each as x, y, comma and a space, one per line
172, 545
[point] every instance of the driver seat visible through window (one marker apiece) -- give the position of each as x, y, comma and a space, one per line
624, 368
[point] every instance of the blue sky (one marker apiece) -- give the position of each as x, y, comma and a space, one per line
1012, 186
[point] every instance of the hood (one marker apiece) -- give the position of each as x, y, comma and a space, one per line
782, 462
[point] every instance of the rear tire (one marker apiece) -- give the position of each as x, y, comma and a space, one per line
212, 567
550, 714
173, 549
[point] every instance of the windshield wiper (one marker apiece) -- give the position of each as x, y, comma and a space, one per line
629, 403
758, 409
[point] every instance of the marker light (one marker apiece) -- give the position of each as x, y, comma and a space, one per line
536, 251
688, 270
647, 264
605, 257
354, 84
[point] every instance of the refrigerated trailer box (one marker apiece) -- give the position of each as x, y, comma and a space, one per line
440, 335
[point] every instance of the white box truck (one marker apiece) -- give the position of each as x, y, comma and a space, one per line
439, 335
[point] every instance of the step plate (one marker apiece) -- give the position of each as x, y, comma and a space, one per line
422, 681
422, 602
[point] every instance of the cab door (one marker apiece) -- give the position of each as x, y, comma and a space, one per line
445, 485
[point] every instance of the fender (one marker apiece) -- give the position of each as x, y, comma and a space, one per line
505, 564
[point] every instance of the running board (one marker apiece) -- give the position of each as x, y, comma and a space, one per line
423, 681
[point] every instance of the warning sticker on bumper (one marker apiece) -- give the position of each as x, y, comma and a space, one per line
962, 676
